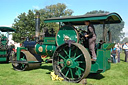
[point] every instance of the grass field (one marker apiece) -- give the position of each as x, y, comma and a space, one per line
117, 75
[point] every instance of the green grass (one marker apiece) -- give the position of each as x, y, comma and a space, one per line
117, 75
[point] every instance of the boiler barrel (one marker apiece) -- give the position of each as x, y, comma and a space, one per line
45, 49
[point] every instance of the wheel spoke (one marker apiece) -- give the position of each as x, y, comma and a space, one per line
80, 68
67, 73
69, 52
75, 52
62, 56
71, 72
60, 63
23, 57
77, 57
74, 55
80, 61
78, 74
65, 52
22, 66
63, 68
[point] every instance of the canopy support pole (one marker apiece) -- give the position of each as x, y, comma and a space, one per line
110, 36
59, 24
104, 36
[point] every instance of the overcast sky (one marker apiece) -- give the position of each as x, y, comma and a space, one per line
10, 9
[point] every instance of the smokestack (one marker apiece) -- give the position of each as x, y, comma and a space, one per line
37, 26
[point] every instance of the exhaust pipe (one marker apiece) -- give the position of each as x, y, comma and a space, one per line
37, 26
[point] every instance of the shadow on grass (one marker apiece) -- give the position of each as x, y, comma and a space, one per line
122, 60
4, 62
41, 67
47, 67
95, 76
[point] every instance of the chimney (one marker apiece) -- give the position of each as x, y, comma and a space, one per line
37, 26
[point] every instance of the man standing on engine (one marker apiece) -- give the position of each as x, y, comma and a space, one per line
92, 39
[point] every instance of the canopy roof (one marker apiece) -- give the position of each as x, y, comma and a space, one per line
7, 29
107, 18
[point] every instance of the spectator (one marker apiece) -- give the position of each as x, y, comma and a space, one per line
119, 50
16, 45
125, 47
98, 46
114, 54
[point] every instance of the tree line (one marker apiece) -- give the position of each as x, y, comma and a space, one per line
25, 22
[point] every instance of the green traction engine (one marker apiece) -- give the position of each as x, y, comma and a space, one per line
26, 57
29, 56
5, 50
71, 57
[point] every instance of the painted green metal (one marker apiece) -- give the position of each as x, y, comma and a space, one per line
48, 47
49, 41
4, 42
45, 49
3, 55
3, 49
103, 56
3, 52
19, 50
108, 45
102, 64
33, 61
3, 59
94, 18
66, 31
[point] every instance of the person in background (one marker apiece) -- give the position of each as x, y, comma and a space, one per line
125, 47
114, 54
119, 50
98, 46
92, 39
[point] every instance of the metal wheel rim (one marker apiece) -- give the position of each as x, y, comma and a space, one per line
58, 68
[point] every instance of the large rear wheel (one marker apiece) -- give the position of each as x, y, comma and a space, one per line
72, 62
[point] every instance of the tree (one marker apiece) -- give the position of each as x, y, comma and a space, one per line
24, 25
57, 10
25, 22
116, 31
124, 40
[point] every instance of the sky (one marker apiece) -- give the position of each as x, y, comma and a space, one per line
10, 9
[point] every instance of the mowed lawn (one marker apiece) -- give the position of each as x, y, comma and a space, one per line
117, 75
